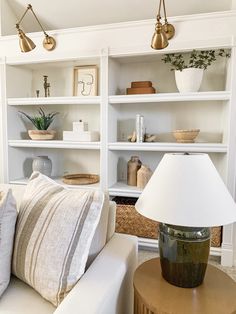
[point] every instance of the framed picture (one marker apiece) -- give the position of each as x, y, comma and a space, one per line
86, 80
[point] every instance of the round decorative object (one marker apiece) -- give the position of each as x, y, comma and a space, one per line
153, 294
186, 136
49, 43
134, 164
42, 135
42, 164
189, 80
80, 179
184, 254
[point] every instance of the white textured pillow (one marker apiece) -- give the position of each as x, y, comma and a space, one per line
8, 215
54, 231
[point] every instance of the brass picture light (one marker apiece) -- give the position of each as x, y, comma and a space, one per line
162, 32
26, 44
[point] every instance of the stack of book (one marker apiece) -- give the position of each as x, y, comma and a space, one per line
141, 87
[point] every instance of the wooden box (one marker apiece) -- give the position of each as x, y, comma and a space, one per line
140, 84
140, 90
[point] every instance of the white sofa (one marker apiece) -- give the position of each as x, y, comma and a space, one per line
105, 288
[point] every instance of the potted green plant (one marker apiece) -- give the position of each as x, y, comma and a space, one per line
189, 68
41, 122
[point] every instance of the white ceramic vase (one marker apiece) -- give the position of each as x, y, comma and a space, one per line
189, 80
42, 164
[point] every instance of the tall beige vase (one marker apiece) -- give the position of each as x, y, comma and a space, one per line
143, 176
133, 166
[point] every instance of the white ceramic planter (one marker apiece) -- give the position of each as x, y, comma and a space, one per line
189, 80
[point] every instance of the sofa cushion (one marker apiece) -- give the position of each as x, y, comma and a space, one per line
55, 227
8, 215
104, 230
19, 298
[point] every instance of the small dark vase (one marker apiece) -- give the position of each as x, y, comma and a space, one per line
184, 254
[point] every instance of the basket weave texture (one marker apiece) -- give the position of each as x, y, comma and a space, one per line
129, 221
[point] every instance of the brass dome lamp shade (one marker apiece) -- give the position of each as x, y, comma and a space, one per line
162, 32
26, 44
159, 39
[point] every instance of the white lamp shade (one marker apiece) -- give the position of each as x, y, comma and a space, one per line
186, 190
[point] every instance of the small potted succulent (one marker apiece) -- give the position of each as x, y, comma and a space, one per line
41, 123
189, 68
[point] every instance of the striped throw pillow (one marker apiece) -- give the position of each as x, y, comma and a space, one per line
54, 230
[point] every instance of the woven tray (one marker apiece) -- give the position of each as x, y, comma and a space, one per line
129, 221
80, 179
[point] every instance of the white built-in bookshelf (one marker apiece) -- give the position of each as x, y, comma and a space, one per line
113, 113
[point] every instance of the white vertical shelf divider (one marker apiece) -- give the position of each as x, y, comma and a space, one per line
104, 119
4, 127
227, 247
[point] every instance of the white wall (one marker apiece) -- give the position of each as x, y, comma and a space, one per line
8, 19
94, 12
233, 5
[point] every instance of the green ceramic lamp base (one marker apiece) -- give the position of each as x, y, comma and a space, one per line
184, 254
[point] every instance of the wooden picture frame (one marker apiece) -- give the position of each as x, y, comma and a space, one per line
85, 81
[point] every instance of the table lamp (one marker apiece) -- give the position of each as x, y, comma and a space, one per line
187, 196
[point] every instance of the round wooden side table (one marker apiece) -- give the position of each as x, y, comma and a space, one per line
154, 295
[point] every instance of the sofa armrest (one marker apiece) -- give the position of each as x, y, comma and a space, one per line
106, 287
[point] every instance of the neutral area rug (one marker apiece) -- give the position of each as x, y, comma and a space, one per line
214, 260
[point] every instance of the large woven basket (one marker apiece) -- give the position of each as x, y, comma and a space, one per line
129, 221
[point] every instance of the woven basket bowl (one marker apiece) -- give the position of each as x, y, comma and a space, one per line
186, 136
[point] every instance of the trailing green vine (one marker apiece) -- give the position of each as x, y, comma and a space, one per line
197, 59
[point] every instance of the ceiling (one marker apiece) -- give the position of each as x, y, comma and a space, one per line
59, 14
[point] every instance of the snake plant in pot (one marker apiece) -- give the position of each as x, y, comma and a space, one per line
189, 68
41, 122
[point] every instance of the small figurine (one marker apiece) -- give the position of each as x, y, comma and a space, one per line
147, 137
37, 93
150, 138
46, 86
132, 138
49, 89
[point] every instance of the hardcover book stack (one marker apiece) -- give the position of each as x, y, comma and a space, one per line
142, 87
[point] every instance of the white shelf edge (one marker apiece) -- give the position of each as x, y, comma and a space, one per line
122, 189
73, 100
170, 97
124, 193
215, 251
152, 244
24, 181
56, 57
54, 144
170, 147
